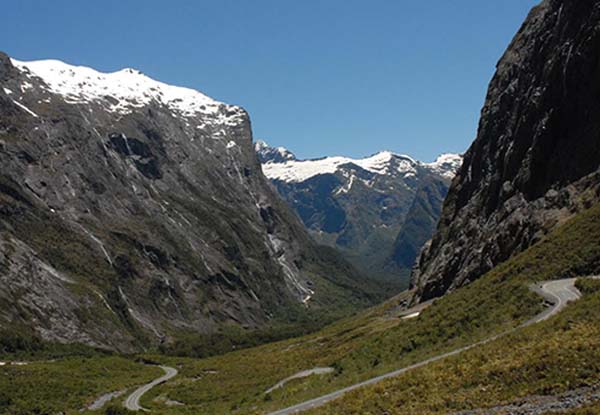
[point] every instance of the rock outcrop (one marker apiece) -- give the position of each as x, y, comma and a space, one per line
536, 156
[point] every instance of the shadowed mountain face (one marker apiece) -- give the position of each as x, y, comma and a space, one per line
131, 210
421, 221
360, 206
536, 156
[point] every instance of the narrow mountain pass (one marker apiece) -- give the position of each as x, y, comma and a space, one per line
133, 401
558, 293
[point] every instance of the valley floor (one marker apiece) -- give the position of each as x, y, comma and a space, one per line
553, 357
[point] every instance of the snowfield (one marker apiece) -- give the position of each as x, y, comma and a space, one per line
125, 90
383, 163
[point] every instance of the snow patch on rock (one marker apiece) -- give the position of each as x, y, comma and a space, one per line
446, 164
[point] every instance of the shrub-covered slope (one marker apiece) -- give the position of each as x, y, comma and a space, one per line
379, 340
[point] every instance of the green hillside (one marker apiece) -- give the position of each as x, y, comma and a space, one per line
549, 358
553, 356
377, 341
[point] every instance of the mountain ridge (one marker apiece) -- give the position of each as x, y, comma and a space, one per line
140, 214
359, 206
445, 164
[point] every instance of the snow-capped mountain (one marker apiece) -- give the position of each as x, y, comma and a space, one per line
124, 91
272, 154
131, 210
446, 165
281, 164
360, 205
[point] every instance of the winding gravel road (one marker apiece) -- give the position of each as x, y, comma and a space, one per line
558, 293
133, 401
300, 375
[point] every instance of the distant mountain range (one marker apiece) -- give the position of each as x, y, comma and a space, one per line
378, 211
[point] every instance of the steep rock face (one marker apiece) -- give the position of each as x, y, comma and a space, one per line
536, 156
359, 206
131, 210
421, 220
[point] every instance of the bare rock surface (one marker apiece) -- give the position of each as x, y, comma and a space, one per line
536, 156
131, 210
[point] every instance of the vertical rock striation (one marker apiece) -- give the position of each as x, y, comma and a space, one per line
536, 156
132, 210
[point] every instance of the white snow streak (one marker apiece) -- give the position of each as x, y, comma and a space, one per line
24, 108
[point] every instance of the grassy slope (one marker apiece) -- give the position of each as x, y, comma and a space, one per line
552, 357
375, 342
68, 384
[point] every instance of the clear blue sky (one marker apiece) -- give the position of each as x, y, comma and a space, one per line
319, 77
